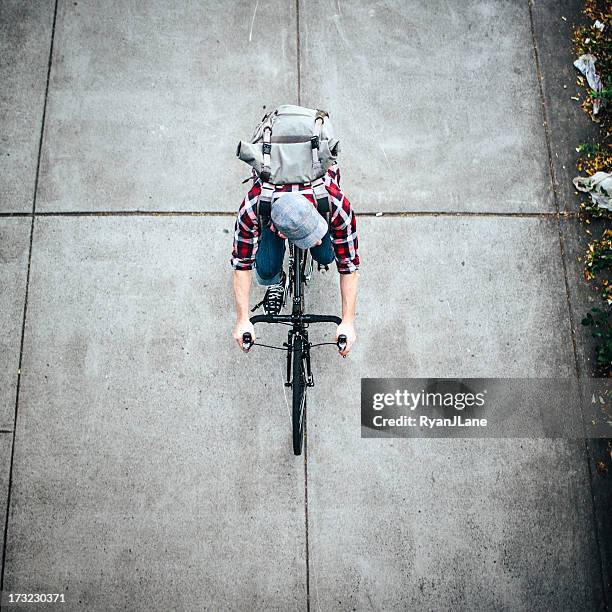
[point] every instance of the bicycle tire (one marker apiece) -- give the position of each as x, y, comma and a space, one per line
298, 384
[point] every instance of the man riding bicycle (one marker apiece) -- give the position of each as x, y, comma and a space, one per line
294, 217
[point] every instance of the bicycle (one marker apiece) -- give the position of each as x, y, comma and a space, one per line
299, 373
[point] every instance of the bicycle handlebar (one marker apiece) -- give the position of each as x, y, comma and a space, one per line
307, 318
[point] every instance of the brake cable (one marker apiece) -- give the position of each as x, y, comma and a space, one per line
278, 348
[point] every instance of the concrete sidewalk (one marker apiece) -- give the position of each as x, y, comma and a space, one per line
146, 462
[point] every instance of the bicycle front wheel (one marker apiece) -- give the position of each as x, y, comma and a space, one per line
299, 394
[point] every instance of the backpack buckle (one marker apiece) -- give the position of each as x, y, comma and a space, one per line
314, 142
266, 147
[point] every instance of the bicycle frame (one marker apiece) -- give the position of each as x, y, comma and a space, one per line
297, 319
298, 258
297, 345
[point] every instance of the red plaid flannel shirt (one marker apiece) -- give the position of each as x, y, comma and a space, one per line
342, 223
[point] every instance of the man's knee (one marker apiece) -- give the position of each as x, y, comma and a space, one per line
267, 274
323, 253
323, 258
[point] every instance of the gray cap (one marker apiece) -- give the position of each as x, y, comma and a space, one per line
298, 219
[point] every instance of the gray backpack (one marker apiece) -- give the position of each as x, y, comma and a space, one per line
291, 144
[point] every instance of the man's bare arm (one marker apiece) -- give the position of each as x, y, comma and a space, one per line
242, 288
348, 292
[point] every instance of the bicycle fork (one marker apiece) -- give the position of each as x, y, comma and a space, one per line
305, 356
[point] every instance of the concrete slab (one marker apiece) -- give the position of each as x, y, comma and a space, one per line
436, 104
463, 296
569, 126
25, 44
582, 292
583, 298
441, 524
14, 248
6, 439
153, 466
147, 102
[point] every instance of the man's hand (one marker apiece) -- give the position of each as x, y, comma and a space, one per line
348, 329
241, 327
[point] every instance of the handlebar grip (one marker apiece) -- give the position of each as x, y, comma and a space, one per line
247, 341
341, 342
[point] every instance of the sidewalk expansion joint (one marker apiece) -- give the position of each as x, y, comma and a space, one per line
25, 304
203, 213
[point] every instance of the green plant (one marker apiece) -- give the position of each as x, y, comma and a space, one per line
601, 324
599, 255
594, 36
594, 157
588, 148
604, 94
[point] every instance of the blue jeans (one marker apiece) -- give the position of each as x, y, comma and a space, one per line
271, 251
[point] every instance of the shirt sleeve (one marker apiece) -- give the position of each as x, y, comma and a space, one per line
343, 225
246, 231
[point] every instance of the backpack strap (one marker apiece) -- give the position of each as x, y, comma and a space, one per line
318, 185
264, 205
264, 202
315, 141
322, 198
266, 150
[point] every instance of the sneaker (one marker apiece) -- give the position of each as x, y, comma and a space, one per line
274, 297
